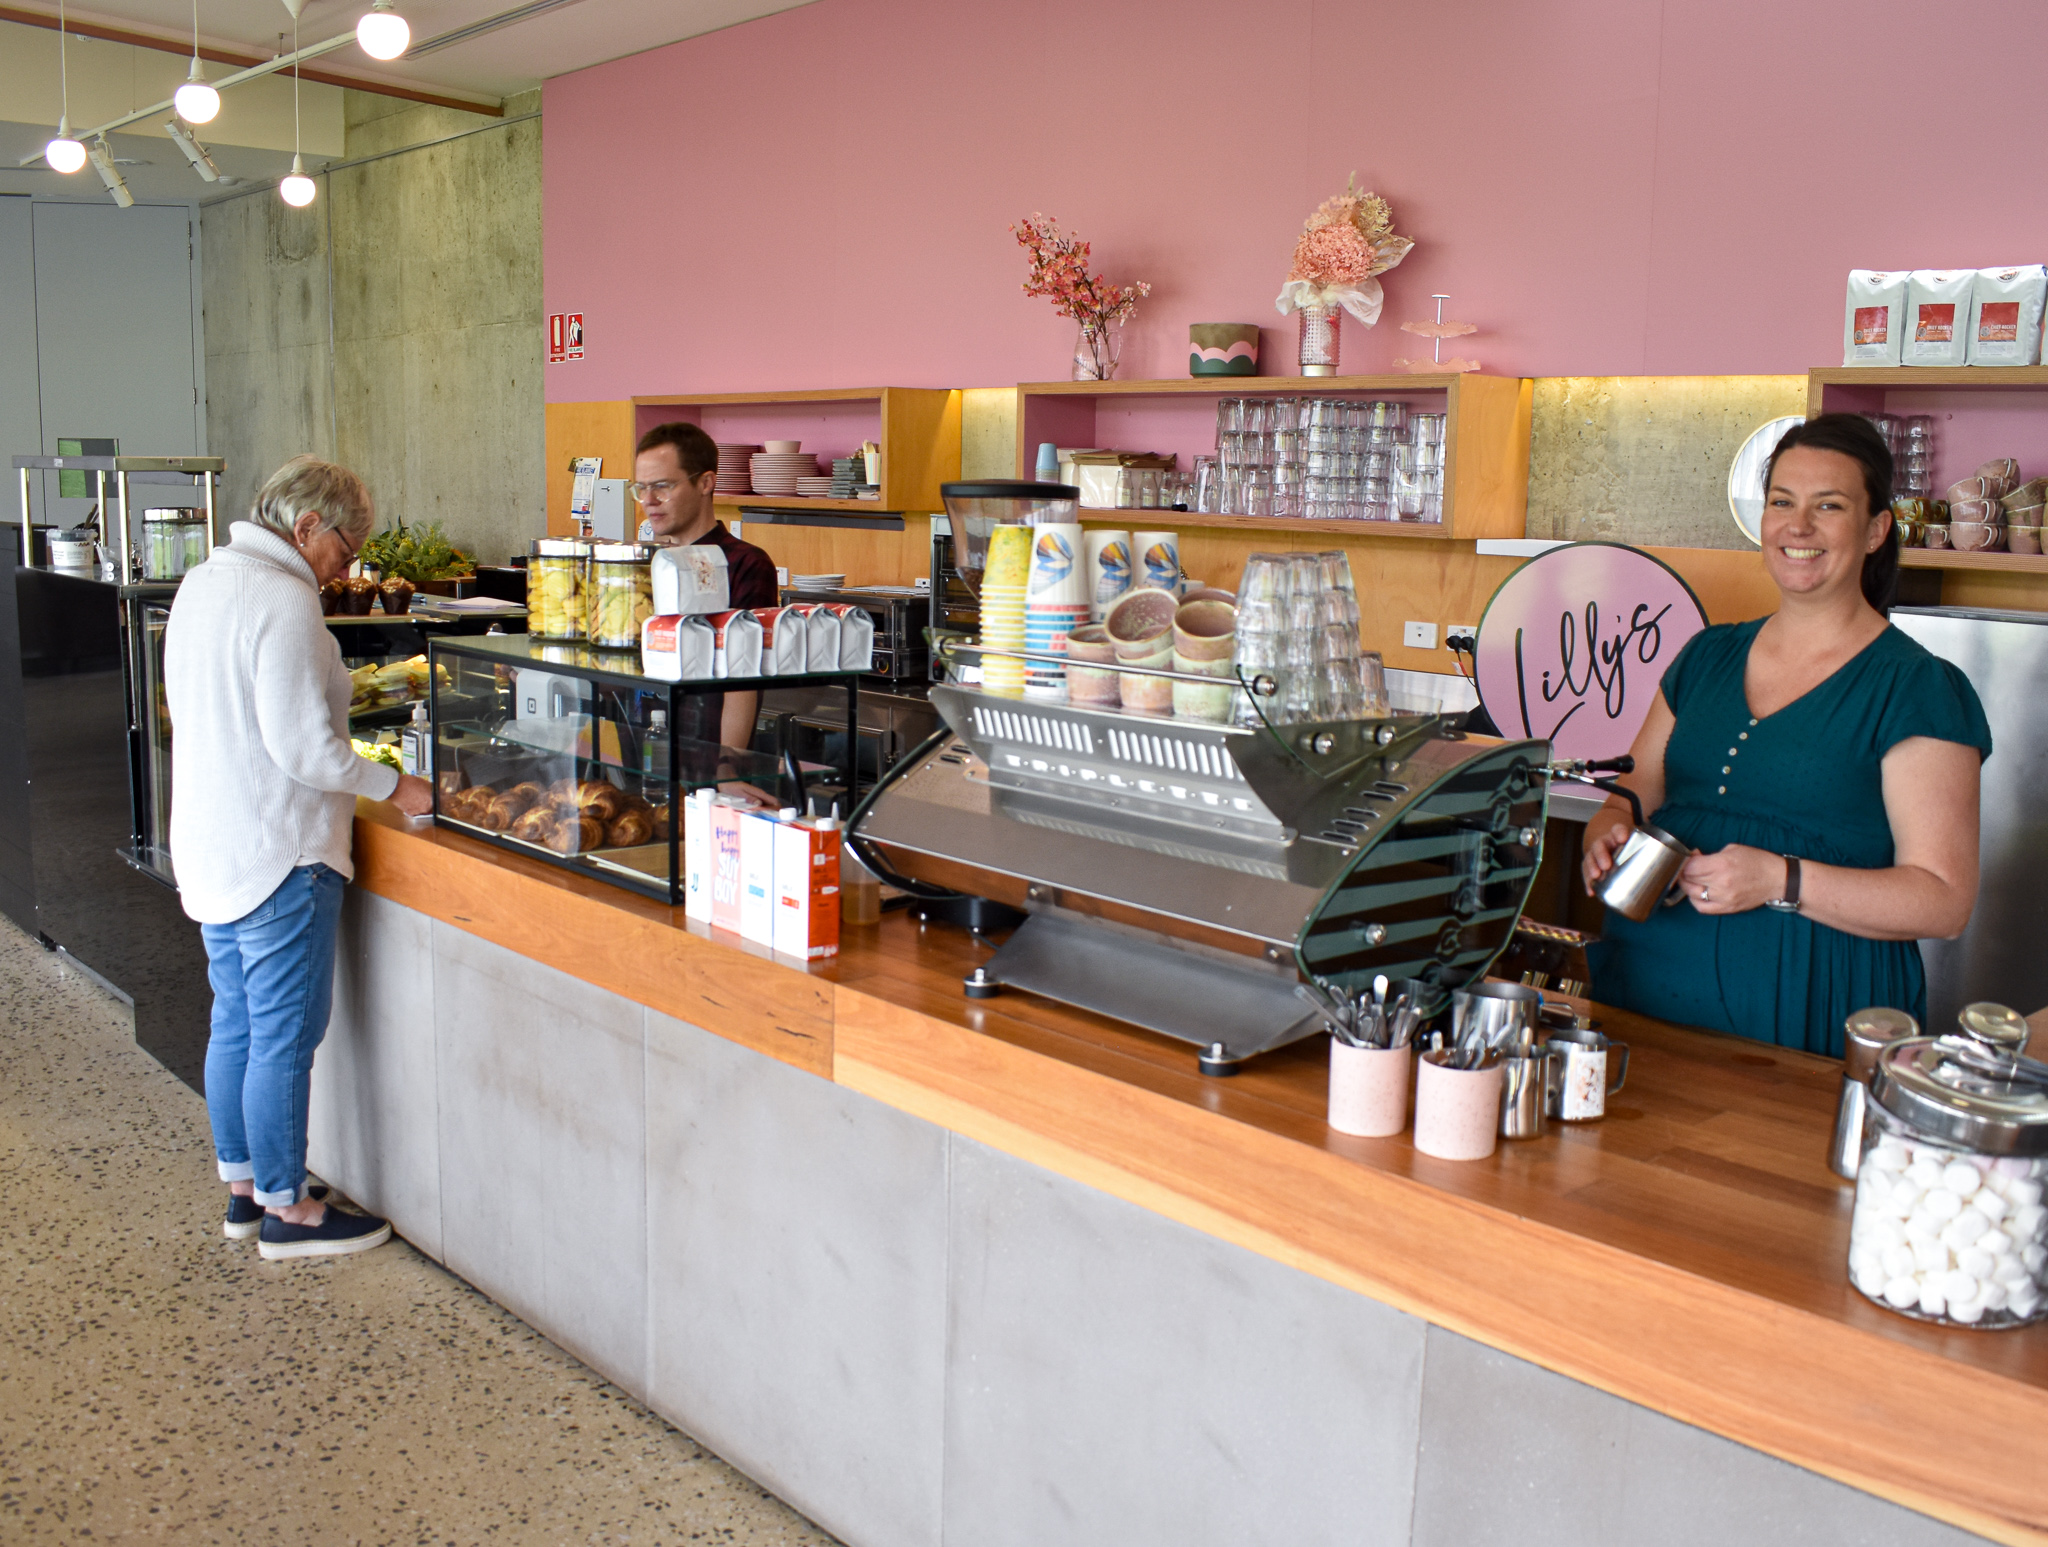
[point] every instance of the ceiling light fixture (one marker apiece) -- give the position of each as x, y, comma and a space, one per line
63, 153
103, 163
383, 33
197, 154
297, 189
196, 102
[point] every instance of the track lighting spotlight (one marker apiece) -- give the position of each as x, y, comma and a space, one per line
202, 162
102, 156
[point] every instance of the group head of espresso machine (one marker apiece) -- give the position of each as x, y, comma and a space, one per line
1224, 885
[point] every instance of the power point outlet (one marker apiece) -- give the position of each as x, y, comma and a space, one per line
1419, 636
1461, 638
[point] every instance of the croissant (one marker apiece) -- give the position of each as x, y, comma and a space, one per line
634, 827
527, 794
660, 816
501, 813
535, 826
596, 798
576, 835
468, 805
562, 792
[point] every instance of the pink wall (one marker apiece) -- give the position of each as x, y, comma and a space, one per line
1609, 187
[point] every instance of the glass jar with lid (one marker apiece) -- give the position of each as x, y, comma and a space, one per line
556, 579
1950, 1224
621, 593
166, 551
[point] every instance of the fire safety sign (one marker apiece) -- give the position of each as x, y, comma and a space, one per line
565, 337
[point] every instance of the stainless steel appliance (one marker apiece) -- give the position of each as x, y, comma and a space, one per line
1999, 956
1219, 885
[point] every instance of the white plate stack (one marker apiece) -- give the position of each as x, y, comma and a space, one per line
776, 472
733, 474
815, 487
815, 583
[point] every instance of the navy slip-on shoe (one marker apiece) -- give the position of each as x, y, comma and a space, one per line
336, 1235
245, 1215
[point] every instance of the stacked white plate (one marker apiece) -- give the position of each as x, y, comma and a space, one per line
815, 487
776, 472
734, 477
817, 582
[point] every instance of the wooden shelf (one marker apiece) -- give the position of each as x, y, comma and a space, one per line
800, 502
918, 429
1182, 520
1486, 490
1885, 378
1247, 386
1948, 558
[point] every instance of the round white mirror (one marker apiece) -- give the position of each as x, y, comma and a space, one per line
1746, 476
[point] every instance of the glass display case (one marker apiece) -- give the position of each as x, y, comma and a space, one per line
576, 756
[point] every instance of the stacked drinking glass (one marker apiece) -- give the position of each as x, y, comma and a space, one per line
1297, 622
1324, 458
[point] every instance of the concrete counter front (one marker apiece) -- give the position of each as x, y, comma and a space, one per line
945, 1272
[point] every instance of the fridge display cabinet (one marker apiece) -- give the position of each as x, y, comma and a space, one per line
553, 751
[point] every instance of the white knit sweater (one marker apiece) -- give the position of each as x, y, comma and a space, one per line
262, 775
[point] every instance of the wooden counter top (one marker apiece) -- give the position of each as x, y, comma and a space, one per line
1688, 1253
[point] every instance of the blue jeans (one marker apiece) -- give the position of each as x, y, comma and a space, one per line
272, 973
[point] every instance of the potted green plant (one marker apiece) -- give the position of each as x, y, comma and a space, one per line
422, 554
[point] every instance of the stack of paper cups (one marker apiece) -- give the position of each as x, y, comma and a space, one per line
1157, 561
1109, 570
1004, 584
1056, 604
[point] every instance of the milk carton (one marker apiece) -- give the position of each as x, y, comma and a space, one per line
757, 874
807, 888
727, 815
697, 858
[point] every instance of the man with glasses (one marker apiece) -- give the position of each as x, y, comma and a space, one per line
675, 470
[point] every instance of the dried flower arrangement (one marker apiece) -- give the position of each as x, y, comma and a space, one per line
1343, 246
1059, 272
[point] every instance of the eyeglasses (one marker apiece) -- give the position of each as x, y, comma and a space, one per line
660, 490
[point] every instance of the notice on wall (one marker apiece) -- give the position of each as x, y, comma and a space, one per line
565, 337
583, 488
1574, 645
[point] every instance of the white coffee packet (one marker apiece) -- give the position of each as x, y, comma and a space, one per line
691, 578
1937, 317
736, 644
785, 641
2005, 315
1874, 320
676, 648
856, 637
821, 626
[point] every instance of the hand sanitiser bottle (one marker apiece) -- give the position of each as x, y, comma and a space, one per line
416, 743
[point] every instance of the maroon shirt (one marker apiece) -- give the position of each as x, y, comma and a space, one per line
750, 582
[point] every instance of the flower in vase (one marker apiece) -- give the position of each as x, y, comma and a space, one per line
1343, 246
1059, 272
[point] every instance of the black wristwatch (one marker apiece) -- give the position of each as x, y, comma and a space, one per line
1789, 903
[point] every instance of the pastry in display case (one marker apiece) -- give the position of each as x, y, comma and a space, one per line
563, 751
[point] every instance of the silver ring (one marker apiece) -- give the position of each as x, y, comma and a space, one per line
1706, 894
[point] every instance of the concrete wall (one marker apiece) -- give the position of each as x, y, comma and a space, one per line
423, 269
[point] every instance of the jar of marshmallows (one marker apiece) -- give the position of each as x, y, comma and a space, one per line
1950, 1224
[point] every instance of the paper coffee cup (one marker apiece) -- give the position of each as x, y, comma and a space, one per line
1156, 560
1108, 569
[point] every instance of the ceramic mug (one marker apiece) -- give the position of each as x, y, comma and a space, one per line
1369, 1089
1086, 685
1457, 1111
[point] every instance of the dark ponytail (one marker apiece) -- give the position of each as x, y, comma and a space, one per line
1856, 437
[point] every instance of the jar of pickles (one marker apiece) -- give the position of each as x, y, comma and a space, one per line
621, 593
557, 576
173, 542
1950, 1224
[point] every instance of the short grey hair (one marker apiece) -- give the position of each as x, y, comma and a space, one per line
309, 484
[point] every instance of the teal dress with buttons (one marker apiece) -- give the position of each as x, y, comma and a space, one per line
1804, 781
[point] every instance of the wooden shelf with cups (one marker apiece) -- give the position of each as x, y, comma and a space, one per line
918, 429
1981, 412
1486, 460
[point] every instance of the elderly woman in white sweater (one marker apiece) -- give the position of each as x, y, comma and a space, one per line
263, 791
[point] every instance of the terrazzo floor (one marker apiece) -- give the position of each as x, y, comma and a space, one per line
161, 1383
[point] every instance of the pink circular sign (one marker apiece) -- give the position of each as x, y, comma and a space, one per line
1575, 643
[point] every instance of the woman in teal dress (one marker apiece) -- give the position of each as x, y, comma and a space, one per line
1823, 766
